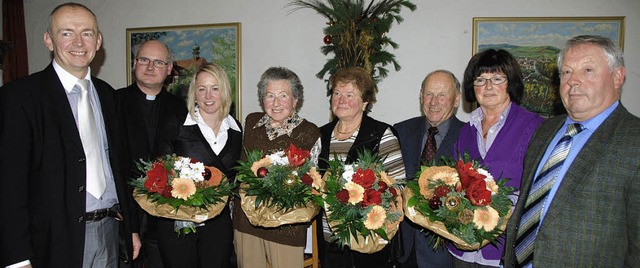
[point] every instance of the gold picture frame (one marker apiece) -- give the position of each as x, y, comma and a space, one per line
535, 43
191, 46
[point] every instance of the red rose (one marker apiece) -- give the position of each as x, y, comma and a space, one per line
478, 194
167, 191
467, 173
364, 178
156, 178
343, 196
296, 156
441, 191
371, 197
306, 179
393, 191
383, 186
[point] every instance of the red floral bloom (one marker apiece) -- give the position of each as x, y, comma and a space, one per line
441, 191
343, 196
306, 179
468, 174
167, 192
364, 178
478, 194
393, 191
371, 197
383, 186
296, 156
157, 178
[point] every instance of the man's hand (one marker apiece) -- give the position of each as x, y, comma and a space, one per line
136, 245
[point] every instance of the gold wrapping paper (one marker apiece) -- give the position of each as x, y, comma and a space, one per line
439, 228
184, 213
268, 217
374, 243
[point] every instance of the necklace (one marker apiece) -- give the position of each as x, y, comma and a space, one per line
347, 132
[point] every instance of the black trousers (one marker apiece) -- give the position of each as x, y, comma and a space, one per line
210, 246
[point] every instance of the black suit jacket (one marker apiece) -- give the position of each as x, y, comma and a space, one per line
42, 172
411, 133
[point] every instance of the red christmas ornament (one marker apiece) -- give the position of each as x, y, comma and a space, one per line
262, 172
206, 174
327, 39
435, 203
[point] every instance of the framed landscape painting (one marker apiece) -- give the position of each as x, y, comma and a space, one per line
192, 46
535, 43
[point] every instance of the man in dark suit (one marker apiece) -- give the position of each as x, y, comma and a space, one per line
60, 157
590, 214
149, 114
439, 98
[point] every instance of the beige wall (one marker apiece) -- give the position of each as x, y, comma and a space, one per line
436, 35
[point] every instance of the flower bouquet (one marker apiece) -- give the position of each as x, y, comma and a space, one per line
279, 188
459, 201
181, 188
362, 203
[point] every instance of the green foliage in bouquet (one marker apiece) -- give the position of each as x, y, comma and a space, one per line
283, 186
157, 177
351, 216
357, 33
455, 193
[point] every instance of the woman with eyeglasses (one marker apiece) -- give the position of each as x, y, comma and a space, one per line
497, 134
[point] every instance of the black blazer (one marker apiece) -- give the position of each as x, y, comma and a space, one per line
42, 172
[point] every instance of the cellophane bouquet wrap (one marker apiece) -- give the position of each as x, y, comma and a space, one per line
460, 201
279, 188
181, 188
362, 203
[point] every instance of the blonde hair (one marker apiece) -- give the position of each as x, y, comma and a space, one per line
223, 83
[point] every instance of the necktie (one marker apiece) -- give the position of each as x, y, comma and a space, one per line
539, 192
96, 183
430, 149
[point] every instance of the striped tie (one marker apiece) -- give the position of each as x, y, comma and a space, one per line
537, 196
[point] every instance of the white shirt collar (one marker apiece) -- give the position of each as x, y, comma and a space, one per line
227, 122
67, 79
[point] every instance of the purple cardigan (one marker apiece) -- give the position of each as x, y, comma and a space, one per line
504, 159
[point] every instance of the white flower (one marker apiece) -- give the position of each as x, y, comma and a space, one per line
196, 171
348, 172
278, 158
181, 162
488, 176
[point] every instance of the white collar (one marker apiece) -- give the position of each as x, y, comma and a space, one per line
67, 79
227, 122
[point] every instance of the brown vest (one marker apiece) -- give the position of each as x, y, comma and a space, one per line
304, 136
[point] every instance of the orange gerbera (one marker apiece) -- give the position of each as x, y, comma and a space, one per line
318, 182
386, 179
486, 219
182, 188
356, 192
444, 173
375, 218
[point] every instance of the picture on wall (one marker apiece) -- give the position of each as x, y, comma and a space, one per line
192, 46
535, 42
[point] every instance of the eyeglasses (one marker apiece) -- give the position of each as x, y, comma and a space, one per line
496, 80
156, 63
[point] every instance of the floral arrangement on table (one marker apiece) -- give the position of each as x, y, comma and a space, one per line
279, 188
460, 201
363, 204
357, 33
181, 188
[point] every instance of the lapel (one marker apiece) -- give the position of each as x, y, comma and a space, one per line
58, 104
584, 164
415, 142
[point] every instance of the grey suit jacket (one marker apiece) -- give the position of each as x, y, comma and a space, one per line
410, 134
594, 218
